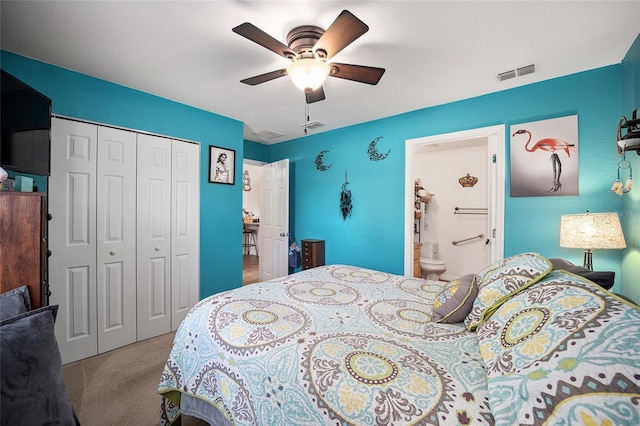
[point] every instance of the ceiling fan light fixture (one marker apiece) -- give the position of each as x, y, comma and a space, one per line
307, 73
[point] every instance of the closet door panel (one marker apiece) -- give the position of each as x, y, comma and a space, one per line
185, 241
154, 236
72, 237
116, 233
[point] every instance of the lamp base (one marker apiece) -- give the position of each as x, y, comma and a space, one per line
588, 259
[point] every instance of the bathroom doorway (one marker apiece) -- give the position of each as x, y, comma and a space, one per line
251, 218
464, 223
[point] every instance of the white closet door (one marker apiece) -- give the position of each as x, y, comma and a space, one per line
185, 234
154, 236
116, 238
72, 237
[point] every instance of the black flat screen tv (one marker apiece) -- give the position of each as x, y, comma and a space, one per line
25, 144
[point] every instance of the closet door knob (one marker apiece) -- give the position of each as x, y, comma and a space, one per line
113, 252
157, 248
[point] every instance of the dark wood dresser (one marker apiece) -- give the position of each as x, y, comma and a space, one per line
312, 253
22, 243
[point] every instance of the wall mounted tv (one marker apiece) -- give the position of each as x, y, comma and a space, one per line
25, 144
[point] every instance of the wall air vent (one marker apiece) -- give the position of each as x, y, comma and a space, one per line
313, 124
529, 69
506, 75
269, 134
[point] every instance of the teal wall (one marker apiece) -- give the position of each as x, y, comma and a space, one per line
631, 200
256, 151
374, 235
83, 97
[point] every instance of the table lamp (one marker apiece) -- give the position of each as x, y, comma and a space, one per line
591, 231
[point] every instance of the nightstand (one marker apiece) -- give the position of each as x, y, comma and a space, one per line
604, 279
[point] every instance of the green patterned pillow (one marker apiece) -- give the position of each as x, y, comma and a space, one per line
454, 301
501, 280
562, 352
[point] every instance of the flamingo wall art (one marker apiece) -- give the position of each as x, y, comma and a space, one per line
544, 157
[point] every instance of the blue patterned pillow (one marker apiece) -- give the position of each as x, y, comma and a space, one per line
562, 352
501, 280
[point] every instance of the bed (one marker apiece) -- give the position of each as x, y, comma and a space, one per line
517, 342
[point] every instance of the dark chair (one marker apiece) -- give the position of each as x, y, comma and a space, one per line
249, 239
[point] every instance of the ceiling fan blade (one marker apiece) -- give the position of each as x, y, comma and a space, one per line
359, 73
314, 96
262, 78
342, 32
256, 35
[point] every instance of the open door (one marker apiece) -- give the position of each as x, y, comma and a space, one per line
494, 138
274, 220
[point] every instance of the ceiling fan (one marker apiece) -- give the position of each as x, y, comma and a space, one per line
309, 48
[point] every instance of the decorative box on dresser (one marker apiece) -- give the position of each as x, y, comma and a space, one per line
22, 243
312, 253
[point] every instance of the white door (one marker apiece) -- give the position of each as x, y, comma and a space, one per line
185, 230
154, 236
72, 237
116, 238
274, 220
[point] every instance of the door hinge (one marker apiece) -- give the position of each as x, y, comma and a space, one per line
493, 233
494, 159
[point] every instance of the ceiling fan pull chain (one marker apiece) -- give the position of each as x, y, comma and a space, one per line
306, 116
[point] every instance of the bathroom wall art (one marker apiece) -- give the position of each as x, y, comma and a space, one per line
544, 157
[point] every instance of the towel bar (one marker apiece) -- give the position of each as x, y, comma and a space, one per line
455, 243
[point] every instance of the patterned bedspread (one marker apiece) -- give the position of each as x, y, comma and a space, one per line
331, 345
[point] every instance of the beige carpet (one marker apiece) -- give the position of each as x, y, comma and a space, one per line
119, 387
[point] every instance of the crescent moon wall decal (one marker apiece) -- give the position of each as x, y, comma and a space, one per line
374, 155
319, 162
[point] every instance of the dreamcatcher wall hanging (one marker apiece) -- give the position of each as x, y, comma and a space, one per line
623, 167
345, 199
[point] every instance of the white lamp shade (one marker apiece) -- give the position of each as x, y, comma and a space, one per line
591, 231
308, 74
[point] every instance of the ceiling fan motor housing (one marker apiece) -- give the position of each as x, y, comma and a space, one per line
302, 39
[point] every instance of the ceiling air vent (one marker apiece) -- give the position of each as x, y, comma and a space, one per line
518, 72
529, 69
269, 134
506, 75
313, 124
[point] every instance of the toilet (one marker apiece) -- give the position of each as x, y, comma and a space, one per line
430, 266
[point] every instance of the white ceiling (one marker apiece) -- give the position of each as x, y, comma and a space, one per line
434, 52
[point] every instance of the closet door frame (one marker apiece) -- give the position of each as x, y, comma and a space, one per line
124, 235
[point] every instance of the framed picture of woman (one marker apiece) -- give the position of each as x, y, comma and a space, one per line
222, 163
